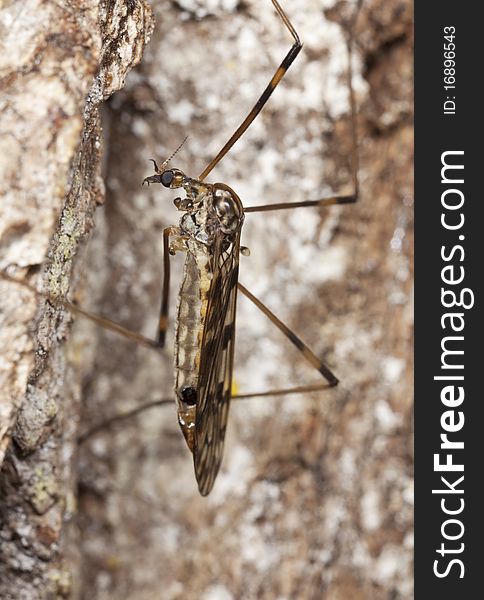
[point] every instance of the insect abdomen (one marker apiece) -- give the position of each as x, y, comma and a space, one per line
192, 304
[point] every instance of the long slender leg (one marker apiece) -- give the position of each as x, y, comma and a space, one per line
167, 251
278, 75
300, 345
347, 199
323, 202
129, 414
354, 125
102, 321
178, 244
124, 416
300, 389
305, 203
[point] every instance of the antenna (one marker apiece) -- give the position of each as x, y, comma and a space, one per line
171, 156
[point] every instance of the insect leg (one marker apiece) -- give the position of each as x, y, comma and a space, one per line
119, 417
285, 205
350, 37
300, 389
338, 199
155, 403
102, 321
278, 75
293, 338
169, 248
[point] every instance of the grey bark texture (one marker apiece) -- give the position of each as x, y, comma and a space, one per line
59, 63
314, 498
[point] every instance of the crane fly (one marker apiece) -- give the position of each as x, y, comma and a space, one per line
209, 233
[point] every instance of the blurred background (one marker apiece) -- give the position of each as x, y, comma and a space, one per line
314, 498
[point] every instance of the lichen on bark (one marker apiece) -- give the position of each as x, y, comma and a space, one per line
314, 498
59, 62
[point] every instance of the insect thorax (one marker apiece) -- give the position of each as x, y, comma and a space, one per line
212, 211
211, 230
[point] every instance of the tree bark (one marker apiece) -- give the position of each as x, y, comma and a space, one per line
60, 62
314, 499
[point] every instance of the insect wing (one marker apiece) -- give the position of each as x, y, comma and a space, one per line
216, 364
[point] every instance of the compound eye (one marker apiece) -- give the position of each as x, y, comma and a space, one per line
167, 177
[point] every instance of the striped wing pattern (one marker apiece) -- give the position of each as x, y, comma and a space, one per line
216, 364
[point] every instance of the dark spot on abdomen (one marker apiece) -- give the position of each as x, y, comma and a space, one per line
189, 395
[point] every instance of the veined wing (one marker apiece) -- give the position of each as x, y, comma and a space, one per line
216, 363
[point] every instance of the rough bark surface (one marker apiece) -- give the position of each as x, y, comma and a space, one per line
59, 63
314, 499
